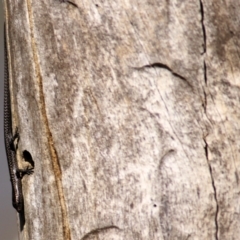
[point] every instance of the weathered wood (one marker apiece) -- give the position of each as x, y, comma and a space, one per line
130, 111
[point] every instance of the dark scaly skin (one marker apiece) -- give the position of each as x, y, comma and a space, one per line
16, 174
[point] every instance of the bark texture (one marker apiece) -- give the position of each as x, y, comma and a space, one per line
130, 110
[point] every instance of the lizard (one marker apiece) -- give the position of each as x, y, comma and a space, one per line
16, 174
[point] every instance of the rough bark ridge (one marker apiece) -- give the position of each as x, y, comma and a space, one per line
130, 111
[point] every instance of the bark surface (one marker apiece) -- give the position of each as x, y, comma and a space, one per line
130, 111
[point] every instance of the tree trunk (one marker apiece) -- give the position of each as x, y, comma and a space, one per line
130, 112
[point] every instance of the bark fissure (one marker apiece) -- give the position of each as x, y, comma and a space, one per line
70, 2
214, 187
205, 71
96, 231
203, 53
203, 27
166, 67
205, 111
205, 102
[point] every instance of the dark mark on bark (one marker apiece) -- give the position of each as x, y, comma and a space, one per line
203, 26
205, 102
164, 66
72, 3
214, 187
205, 72
97, 231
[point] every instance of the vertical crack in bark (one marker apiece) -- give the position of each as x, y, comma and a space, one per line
205, 102
203, 27
214, 187
203, 53
205, 111
205, 72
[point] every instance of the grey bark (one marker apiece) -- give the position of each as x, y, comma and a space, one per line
130, 111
